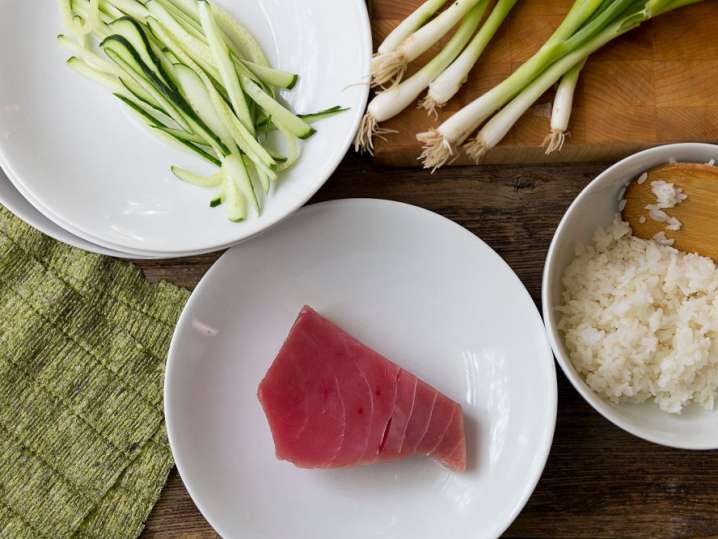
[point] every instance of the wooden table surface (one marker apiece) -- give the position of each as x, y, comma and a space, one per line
599, 481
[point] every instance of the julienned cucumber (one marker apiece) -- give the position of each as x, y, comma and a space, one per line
120, 50
132, 32
198, 79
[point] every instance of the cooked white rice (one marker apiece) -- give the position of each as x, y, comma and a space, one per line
667, 194
640, 320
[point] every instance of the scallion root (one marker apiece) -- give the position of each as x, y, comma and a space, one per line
431, 106
554, 141
437, 149
388, 69
476, 149
368, 130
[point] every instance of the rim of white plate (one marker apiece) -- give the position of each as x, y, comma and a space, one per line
184, 320
32, 217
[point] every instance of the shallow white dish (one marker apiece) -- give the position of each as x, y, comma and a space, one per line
596, 207
417, 288
67, 144
22, 209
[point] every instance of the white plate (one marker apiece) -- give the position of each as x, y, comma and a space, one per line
68, 145
596, 207
417, 288
22, 209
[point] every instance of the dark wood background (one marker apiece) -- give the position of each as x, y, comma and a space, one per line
599, 481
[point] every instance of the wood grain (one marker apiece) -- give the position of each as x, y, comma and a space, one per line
697, 214
655, 85
599, 482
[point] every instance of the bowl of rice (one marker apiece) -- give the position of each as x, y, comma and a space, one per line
633, 323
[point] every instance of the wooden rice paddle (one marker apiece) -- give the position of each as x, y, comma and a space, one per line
698, 213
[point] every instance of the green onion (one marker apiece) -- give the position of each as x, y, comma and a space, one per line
410, 25
453, 78
389, 68
440, 144
391, 102
500, 124
562, 106
588, 26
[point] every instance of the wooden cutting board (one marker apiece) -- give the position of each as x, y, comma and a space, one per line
655, 85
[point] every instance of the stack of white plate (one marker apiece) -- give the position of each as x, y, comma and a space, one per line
81, 170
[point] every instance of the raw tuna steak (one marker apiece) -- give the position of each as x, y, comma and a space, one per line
332, 402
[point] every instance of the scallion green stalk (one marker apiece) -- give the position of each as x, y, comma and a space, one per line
453, 78
440, 144
500, 124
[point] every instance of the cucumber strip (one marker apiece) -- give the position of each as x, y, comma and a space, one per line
120, 47
109, 11
139, 111
82, 39
195, 47
202, 55
68, 17
244, 139
130, 7
184, 57
82, 8
188, 7
230, 78
278, 158
240, 36
183, 54
235, 171
163, 132
168, 136
184, 135
198, 97
267, 126
271, 76
121, 52
82, 67
280, 115
90, 58
133, 32
200, 181
263, 178
189, 32
139, 93
323, 114
164, 60
190, 24
217, 200
254, 178
293, 149
136, 75
241, 136
91, 18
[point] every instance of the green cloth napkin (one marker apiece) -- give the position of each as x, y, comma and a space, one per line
83, 342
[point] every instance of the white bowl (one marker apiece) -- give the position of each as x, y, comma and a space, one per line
596, 207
